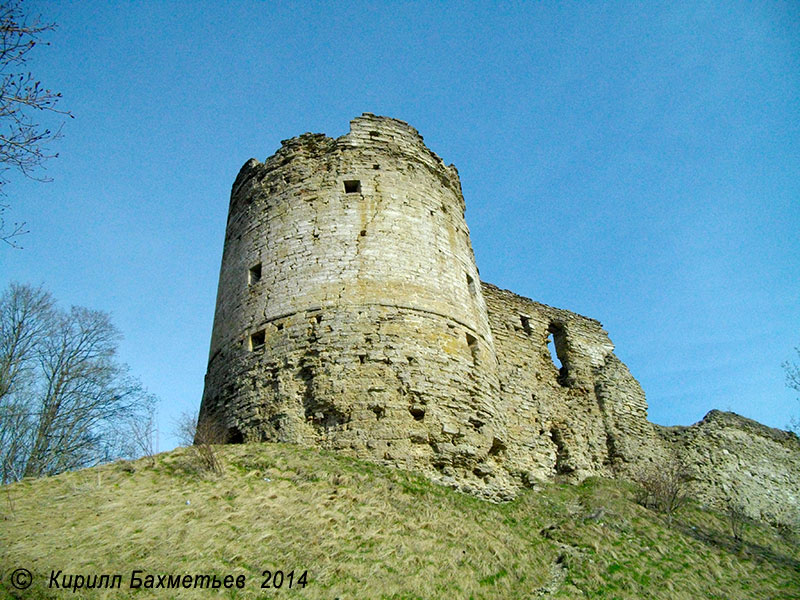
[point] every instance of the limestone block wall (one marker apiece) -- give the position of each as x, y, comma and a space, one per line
734, 458
350, 315
587, 418
349, 312
590, 418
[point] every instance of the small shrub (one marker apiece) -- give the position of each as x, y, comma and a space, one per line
202, 436
737, 517
663, 486
144, 436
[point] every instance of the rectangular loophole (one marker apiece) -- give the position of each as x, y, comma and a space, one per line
257, 340
254, 274
526, 323
352, 186
472, 343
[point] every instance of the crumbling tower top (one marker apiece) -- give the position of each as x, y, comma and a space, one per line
350, 312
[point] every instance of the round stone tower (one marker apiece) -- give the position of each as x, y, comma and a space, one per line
349, 311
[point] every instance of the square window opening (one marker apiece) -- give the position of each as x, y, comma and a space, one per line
352, 186
257, 340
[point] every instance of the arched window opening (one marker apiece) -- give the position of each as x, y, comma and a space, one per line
234, 436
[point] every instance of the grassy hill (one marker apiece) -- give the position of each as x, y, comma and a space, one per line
359, 530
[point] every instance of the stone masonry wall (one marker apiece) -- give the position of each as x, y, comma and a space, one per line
732, 458
589, 417
350, 316
349, 312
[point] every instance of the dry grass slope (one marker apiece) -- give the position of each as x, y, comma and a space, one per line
364, 531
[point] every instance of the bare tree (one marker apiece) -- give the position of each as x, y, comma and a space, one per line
24, 313
202, 435
144, 434
65, 401
736, 512
663, 486
792, 370
23, 99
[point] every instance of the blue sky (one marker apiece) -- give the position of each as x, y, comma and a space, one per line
638, 163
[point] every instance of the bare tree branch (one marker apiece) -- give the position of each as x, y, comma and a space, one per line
23, 100
792, 370
65, 401
202, 435
664, 486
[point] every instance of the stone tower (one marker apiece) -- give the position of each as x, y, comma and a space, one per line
350, 316
349, 312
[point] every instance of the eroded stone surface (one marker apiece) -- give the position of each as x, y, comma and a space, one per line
350, 316
734, 458
589, 417
350, 313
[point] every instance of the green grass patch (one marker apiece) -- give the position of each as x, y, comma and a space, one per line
365, 531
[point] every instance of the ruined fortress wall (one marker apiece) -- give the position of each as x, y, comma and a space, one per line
587, 418
350, 316
732, 458
349, 311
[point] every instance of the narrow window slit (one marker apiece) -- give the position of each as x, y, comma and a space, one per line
472, 343
526, 323
553, 354
254, 274
557, 347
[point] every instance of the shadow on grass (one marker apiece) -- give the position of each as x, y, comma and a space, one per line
718, 539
